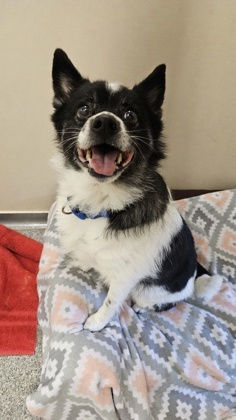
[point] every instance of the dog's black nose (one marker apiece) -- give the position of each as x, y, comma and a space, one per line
105, 125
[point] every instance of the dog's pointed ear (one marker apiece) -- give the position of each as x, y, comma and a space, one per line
153, 88
65, 77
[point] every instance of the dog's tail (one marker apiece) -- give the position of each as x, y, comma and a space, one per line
207, 285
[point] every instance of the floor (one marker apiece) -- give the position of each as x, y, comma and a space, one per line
19, 375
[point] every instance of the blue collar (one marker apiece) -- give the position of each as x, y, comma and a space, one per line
81, 215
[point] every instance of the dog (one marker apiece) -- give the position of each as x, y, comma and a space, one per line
122, 220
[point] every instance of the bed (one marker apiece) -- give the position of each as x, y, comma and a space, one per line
177, 364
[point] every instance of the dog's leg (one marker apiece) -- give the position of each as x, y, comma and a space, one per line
116, 296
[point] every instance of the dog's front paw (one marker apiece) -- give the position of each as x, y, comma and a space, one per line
95, 323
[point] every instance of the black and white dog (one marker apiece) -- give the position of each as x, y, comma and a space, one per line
127, 227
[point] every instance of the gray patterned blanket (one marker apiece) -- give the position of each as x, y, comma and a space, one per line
178, 364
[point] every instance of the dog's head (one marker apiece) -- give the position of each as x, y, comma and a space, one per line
106, 129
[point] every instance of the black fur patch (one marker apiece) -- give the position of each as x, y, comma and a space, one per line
146, 210
178, 265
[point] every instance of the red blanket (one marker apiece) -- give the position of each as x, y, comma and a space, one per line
19, 260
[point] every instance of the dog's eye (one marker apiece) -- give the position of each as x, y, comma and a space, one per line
130, 116
84, 111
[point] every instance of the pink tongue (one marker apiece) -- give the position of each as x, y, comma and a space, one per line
103, 164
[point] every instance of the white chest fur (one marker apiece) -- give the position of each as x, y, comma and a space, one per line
127, 256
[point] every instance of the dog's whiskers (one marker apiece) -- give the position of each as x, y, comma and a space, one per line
69, 131
142, 139
71, 143
139, 150
64, 140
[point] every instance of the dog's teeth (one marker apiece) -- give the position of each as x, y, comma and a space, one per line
88, 154
119, 159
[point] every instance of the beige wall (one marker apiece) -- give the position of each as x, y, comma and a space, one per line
121, 40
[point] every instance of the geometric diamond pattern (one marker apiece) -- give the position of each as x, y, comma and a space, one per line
219, 200
178, 364
227, 240
95, 372
226, 266
202, 372
207, 222
69, 310
212, 219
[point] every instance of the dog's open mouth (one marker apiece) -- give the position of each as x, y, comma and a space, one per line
105, 159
